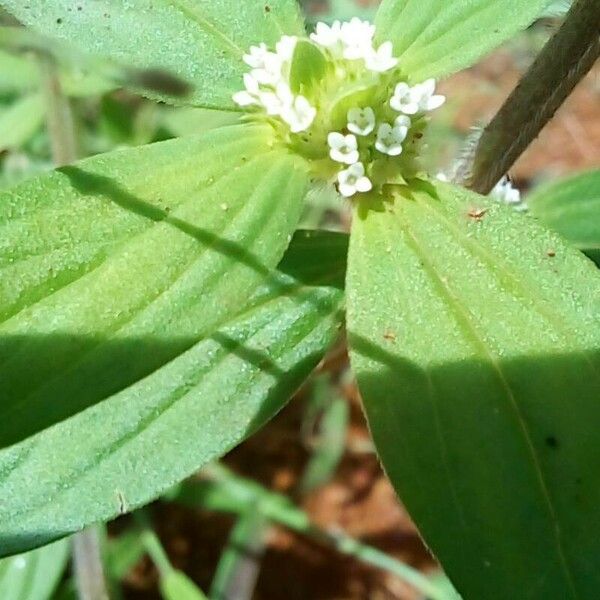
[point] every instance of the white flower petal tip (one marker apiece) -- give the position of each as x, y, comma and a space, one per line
417, 99
275, 103
299, 114
389, 139
328, 36
353, 180
285, 47
382, 59
245, 99
343, 148
361, 121
357, 39
255, 58
403, 121
505, 192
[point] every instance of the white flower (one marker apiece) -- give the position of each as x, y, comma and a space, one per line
257, 56
329, 37
382, 59
405, 100
428, 99
403, 121
389, 139
361, 121
505, 192
357, 37
276, 102
353, 180
299, 115
285, 47
250, 95
343, 148
419, 98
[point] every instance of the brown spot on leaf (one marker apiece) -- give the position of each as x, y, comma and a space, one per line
477, 213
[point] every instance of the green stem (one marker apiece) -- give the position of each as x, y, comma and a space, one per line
87, 566
563, 62
59, 116
280, 510
239, 565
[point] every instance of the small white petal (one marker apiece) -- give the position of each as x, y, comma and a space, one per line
357, 38
435, 102
251, 84
264, 77
427, 88
299, 114
382, 59
285, 47
255, 58
403, 121
364, 185
245, 99
361, 121
329, 37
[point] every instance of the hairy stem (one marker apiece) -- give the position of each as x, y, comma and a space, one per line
563, 62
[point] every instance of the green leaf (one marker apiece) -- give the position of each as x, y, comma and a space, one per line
176, 585
308, 67
126, 450
200, 43
113, 267
21, 121
435, 38
572, 207
34, 575
478, 358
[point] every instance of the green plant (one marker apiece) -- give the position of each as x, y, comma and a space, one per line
158, 306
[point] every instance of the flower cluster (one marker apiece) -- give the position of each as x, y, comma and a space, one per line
361, 133
267, 85
388, 136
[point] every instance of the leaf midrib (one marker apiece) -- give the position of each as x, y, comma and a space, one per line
470, 330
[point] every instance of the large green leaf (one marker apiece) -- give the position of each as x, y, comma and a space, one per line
114, 266
572, 207
201, 42
434, 38
34, 575
128, 449
475, 339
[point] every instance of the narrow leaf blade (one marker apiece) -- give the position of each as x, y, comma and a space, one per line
33, 575
478, 357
